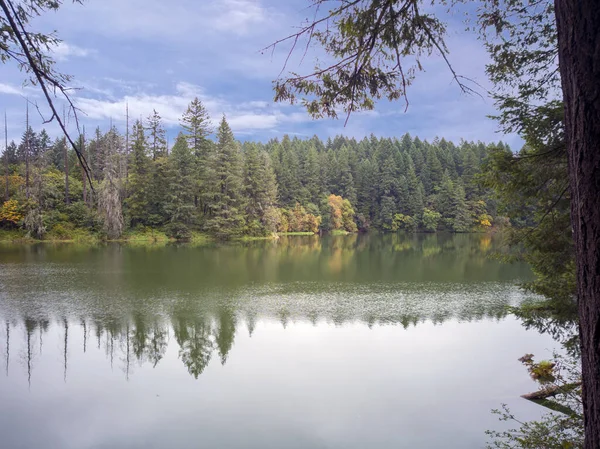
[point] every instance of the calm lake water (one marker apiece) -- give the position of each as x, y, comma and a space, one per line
340, 342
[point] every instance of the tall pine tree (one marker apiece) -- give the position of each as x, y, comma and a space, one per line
225, 183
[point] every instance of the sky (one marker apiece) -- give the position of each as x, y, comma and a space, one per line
153, 54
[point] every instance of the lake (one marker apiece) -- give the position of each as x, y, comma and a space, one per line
360, 341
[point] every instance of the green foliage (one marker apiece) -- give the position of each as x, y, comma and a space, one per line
228, 190
81, 215
36, 43
139, 179
560, 380
430, 220
179, 204
403, 222
370, 42
34, 222
13, 235
156, 135
143, 234
260, 189
225, 182
178, 231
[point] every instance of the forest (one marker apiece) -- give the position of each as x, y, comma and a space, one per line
223, 188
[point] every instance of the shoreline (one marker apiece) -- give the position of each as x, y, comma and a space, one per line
18, 237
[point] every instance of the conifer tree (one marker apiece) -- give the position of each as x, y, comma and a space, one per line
139, 174
182, 187
197, 127
225, 183
260, 189
156, 135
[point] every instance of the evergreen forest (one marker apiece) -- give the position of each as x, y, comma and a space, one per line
209, 183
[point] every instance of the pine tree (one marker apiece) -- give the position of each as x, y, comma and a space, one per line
197, 127
462, 221
158, 191
346, 180
181, 188
139, 174
260, 189
387, 212
225, 183
415, 195
310, 175
445, 198
156, 135
287, 170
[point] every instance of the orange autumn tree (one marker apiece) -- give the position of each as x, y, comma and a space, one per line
298, 220
341, 214
10, 212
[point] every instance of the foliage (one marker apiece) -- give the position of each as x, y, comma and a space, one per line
143, 234
34, 222
11, 212
298, 220
178, 231
430, 220
224, 190
228, 189
403, 222
340, 214
560, 379
37, 43
377, 46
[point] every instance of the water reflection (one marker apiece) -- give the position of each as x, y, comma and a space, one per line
353, 342
136, 303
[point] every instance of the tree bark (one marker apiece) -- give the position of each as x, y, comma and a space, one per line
66, 159
6, 193
27, 153
83, 174
578, 26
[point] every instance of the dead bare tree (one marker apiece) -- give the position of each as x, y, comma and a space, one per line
29, 49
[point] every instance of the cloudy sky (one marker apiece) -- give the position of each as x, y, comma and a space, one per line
154, 54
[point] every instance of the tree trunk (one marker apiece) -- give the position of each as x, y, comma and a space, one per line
578, 25
27, 153
83, 174
66, 159
6, 193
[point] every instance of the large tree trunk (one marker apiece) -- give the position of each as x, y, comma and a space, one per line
578, 24
66, 159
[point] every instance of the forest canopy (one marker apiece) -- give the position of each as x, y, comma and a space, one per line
226, 188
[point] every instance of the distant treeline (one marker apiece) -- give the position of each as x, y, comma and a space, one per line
226, 188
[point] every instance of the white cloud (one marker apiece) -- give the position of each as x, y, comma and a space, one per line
64, 51
238, 16
184, 20
246, 117
10, 90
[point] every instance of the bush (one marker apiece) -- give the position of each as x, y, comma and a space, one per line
256, 229
11, 212
53, 217
403, 222
81, 215
61, 231
430, 220
178, 231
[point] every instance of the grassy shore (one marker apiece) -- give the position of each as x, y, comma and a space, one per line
138, 237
